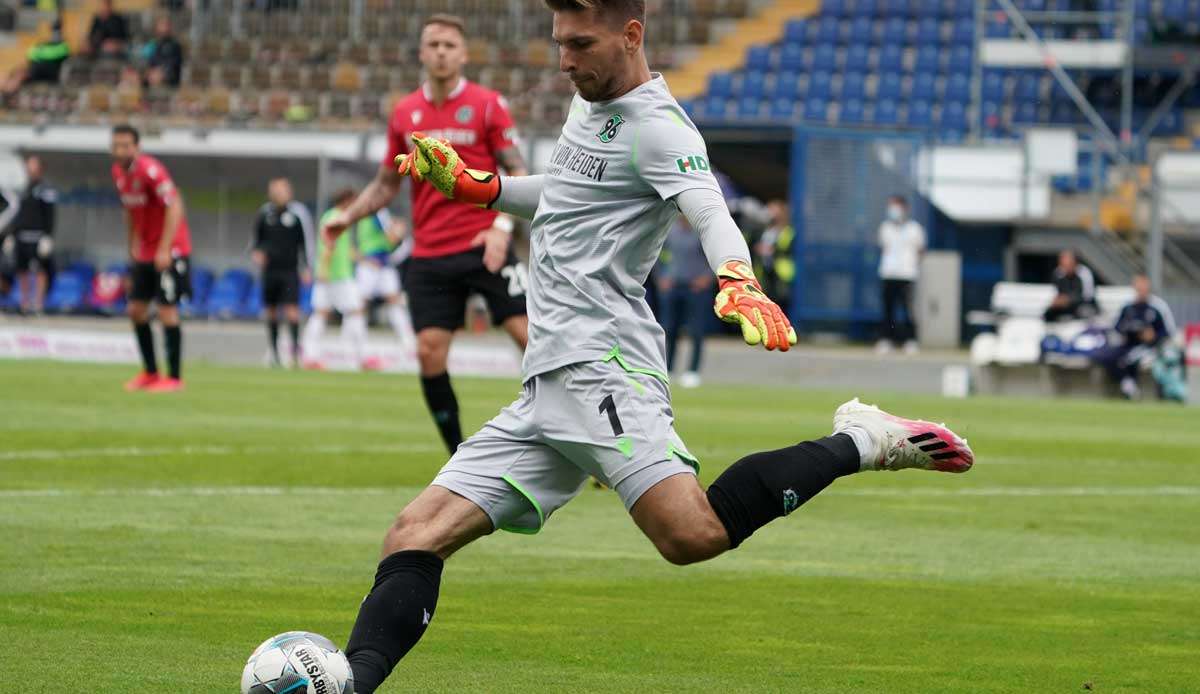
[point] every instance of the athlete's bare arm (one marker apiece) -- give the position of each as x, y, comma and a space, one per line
378, 193
512, 162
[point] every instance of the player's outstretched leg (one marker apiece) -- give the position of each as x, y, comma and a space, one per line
688, 525
395, 614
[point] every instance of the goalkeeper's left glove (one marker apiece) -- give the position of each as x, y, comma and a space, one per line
437, 162
741, 300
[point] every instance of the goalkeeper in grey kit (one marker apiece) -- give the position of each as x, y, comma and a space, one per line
595, 398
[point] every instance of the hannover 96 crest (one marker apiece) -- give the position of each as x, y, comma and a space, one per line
611, 126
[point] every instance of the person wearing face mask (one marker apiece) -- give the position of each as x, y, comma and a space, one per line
901, 244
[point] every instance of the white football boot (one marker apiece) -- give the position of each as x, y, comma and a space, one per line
895, 443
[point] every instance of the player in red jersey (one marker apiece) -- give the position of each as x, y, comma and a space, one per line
458, 250
159, 248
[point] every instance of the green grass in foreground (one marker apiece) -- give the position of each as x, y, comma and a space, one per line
148, 543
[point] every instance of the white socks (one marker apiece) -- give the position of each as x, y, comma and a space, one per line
354, 331
313, 330
867, 453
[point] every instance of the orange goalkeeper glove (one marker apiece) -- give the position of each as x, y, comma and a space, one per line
741, 300
437, 162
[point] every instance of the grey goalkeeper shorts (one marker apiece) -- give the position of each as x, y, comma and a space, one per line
593, 419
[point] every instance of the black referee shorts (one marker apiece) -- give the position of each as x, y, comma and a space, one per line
438, 289
168, 287
281, 288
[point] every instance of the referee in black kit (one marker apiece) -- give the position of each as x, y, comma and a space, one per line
282, 235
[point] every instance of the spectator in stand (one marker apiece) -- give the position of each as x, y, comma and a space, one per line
164, 56
774, 250
1076, 287
109, 35
685, 291
1143, 326
44, 63
901, 244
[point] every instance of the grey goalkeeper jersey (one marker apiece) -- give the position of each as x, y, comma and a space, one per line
604, 212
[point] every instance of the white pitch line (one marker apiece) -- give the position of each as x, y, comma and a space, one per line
141, 452
389, 491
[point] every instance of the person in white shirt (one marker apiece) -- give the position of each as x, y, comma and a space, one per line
901, 244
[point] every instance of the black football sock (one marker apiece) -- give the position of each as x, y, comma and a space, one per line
439, 397
273, 339
294, 331
764, 486
174, 341
145, 340
394, 616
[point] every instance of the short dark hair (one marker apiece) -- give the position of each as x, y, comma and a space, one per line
343, 196
896, 197
127, 129
448, 20
613, 10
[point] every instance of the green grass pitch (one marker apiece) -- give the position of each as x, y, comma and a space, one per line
148, 543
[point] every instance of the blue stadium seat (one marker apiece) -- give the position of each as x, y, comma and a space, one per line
964, 32
962, 9
862, 32
68, 292
749, 107
1064, 113
720, 84
252, 307
885, 113
835, 8
928, 32
853, 86
993, 86
954, 117
891, 57
827, 30
927, 9
202, 284
825, 58
1026, 113
787, 86
716, 107
793, 31
890, 84
852, 112
998, 28
758, 57
924, 87
228, 294
815, 109
783, 109
791, 57
928, 58
306, 298
753, 85
1028, 87
960, 58
858, 58
958, 87
894, 31
868, 8
893, 8
992, 118
920, 114
820, 86
1175, 11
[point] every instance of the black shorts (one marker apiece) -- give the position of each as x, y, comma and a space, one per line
438, 289
28, 258
168, 287
281, 288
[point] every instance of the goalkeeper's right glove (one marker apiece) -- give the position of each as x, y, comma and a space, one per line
437, 162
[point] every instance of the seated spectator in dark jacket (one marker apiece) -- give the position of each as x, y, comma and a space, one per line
44, 63
1076, 297
1142, 325
109, 35
164, 56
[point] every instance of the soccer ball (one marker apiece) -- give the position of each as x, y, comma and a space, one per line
297, 662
